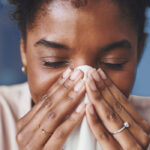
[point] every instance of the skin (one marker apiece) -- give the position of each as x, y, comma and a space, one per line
69, 37
72, 32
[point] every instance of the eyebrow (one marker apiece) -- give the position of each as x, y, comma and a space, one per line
120, 44
112, 46
51, 44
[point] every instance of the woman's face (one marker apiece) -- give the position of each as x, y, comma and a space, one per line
97, 35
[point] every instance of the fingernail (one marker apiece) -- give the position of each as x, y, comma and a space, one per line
103, 75
79, 86
96, 75
66, 73
91, 109
92, 85
80, 108
75, 74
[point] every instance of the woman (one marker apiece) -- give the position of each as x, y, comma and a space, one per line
60, 35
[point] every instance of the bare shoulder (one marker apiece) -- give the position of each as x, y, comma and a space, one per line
142, 105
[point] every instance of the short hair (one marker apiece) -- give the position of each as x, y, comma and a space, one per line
26, 10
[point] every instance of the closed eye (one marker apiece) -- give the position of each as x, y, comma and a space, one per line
55, 64
115, 66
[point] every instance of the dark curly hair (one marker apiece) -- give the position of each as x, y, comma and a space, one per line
26, 11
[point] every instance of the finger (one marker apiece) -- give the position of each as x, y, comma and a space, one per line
60, 81
124, 102
110, 119
50, 102
139, 134
65, 87
55, 116
106, 141
45, 100
24, 120
64, 130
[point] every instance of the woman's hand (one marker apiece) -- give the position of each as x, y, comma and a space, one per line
108, 110
49, 123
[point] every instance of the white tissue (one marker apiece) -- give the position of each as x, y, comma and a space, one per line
81, 138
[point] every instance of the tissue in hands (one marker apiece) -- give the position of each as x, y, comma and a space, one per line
82, 138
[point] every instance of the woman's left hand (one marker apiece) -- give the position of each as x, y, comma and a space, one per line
108, 111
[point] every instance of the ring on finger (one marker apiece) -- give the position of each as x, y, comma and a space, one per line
125, 125
45, 132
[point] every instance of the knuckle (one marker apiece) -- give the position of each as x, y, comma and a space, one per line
96, 121
146, 140
67, 84
44, 97
118, 106
101, 86
51, 115
60, 81
108, 82
98, 96
47, 104
70, 96
60, 133
112, 116
72, 118
103, 136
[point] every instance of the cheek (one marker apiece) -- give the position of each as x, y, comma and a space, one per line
40, 78
40, 81
123, 80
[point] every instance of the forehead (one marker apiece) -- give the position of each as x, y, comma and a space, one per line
68, 9
99, 19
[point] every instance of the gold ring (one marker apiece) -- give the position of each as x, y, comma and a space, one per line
46, 133
43, 131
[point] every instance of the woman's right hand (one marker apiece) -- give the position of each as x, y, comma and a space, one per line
50, 122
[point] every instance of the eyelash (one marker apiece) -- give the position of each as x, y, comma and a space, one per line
116, 66
55, 64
